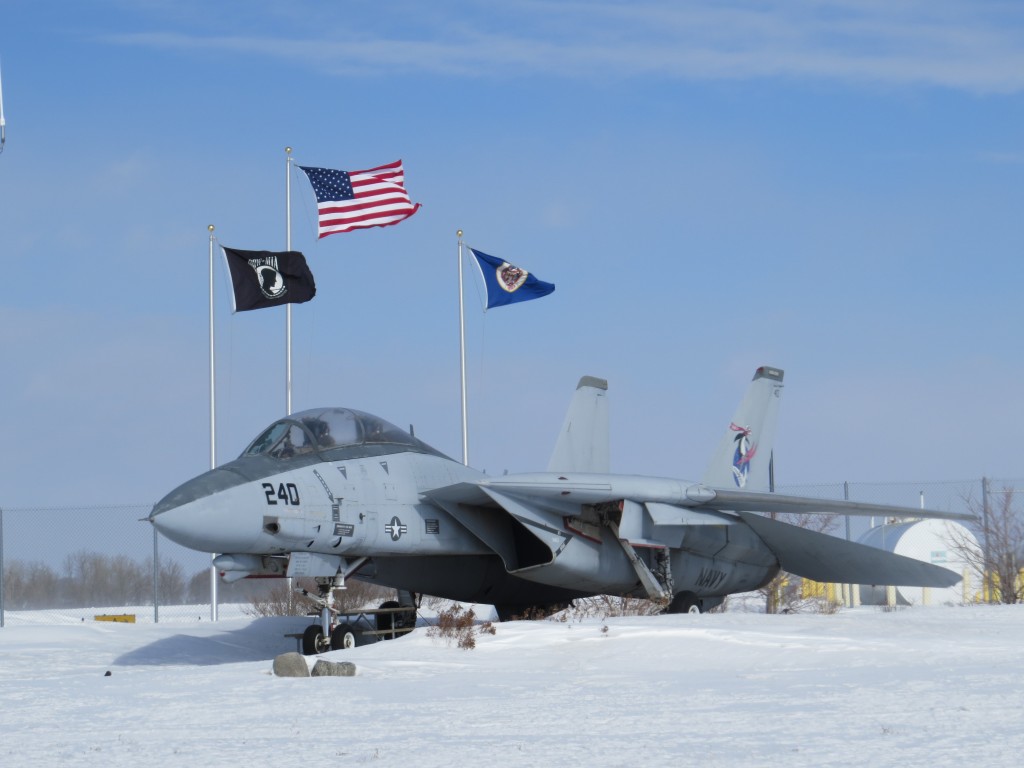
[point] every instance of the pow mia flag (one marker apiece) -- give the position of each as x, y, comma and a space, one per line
268, 278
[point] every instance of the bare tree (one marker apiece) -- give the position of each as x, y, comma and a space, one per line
1000, 558
171, 587
283, 599
96, 579
41, 587
605, 606
17, 583
279, 600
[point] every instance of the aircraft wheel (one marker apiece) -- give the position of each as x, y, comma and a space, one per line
313, 640
387, 622
345, 636
684, 602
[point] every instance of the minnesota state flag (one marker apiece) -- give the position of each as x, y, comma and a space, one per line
507, 283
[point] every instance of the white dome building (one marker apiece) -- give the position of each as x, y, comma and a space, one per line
933, 542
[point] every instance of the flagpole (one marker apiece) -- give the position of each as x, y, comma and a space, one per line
462, 359
288, 307
3, 121
213, 428
213, 381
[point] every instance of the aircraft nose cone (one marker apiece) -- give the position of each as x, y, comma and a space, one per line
206, 484
183, 524
202, 514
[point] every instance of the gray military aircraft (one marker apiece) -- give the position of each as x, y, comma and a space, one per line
334, 493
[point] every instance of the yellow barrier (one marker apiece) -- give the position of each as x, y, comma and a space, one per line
809, 589
124, 618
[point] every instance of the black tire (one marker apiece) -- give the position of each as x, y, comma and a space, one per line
684, 602
344, 637
312, 640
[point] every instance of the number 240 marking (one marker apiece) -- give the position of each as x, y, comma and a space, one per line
287, 493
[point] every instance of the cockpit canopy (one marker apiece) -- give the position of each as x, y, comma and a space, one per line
333, 433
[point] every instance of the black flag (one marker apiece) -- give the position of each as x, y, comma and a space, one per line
268, 278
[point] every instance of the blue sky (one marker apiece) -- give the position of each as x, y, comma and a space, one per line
833, 188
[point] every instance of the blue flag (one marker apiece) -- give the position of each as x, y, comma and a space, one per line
507, 283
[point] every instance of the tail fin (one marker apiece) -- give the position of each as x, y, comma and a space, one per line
743, 458
583, 444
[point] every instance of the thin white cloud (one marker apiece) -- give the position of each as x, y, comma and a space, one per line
971, 46
1002, 158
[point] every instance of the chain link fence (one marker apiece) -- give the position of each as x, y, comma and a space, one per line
64, 564
72, 563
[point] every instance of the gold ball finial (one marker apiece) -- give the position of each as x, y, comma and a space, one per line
459, 233
210, 227
288, 150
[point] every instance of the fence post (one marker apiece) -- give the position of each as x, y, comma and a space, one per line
156, 579
213, 589
986, 575
847, 588
1, 567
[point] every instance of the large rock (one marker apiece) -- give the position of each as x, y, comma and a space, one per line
325, 668
291, 665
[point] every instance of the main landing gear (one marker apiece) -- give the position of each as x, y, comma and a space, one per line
688, 602
684, 602
392, 620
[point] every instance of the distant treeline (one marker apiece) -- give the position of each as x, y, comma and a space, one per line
90, 579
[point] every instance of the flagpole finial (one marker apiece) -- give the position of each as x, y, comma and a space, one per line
459, 233
210, 227
287, 150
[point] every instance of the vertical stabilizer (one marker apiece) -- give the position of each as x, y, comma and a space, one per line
583, 444
743, 458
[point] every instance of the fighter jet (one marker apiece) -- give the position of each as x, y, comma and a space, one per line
335, 493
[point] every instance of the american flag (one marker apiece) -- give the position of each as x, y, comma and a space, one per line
350, 200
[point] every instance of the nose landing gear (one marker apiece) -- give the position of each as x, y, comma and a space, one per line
341, 630
313, 641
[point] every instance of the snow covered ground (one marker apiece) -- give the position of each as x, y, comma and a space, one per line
915, 687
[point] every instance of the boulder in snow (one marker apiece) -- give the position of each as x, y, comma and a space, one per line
325, 668
291, 665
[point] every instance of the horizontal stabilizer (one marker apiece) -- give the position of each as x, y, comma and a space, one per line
824, 558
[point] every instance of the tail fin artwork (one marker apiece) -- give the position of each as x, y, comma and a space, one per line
743, 458
583, 443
